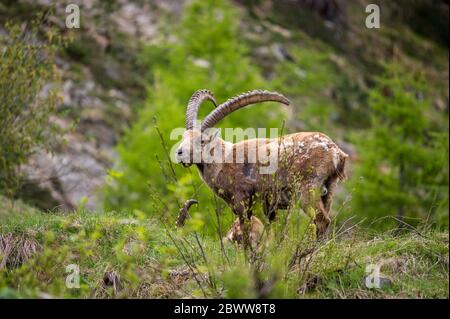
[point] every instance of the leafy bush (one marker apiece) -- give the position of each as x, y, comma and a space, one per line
27, 103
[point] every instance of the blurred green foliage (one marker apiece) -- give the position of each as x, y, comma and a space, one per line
28, 95
402, 168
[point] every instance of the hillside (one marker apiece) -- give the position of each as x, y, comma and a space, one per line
88, 184
122, 256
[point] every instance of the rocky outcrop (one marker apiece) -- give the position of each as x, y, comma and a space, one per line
63, 179
95, 99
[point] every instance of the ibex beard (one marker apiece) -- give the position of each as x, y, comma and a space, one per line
305, 166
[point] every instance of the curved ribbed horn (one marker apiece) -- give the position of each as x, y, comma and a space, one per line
240, 101
194, 103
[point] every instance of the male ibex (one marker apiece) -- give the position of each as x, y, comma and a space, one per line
309, 165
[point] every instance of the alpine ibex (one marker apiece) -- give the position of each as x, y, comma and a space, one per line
309, 164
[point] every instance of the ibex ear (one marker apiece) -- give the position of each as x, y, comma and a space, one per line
215, 133
211, 134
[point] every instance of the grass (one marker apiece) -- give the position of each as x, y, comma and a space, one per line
121, 256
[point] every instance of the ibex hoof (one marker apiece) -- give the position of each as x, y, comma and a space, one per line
236, 235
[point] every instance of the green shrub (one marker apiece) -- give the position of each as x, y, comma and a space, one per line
403, 164
27, 66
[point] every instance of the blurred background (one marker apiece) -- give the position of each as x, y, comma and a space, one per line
86, 113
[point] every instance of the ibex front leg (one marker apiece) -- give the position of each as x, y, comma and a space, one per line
246, 229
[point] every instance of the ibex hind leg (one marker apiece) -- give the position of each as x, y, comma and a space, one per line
313, 205
330, 186
331, 182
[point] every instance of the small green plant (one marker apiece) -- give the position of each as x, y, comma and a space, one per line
28, 95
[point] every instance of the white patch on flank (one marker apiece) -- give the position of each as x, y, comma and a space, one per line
320, 143
300, 147
288, 143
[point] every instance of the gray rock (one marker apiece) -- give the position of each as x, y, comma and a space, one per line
62, 179
384, 283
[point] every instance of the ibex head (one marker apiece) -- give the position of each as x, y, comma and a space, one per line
193, 138
196, 138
